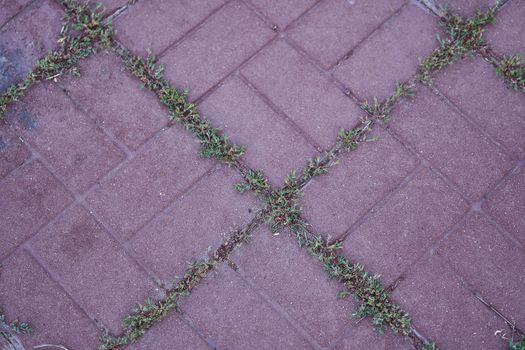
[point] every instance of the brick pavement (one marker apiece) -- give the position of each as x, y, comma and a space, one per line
104, 201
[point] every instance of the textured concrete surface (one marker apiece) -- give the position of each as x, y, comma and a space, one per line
103, 202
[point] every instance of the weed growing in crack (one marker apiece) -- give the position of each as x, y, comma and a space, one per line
520, 345
214, 144
255, 181
15, 326
464, 36
381, 111
144, 316
93, 34
512, 68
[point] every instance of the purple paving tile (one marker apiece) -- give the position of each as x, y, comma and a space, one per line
271, 143
363, 334
28, 294
26, 38
489, 262
155, 24
11, 8
223, 42
170, 333
297, 282
147, 184
507, 205
77, 150
333, 202
450, 143
30, 197
332, 29
13, 152
444, 311
415, 217
116, 100
193, 224
233, 316
92, 266
491, 104
283, 12
302, 92
508, 35
467, 8
402, 40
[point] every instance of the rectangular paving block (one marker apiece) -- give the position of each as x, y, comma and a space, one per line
116, 99
303, 93
77, 150
444, 311
28, 294
30, 197
491, 263
149, 182
283, 12
26, 38
224, 41
402, 230
92, 267
507, 205
170, 333
493, 106
390, 54
449, 142
334, 201
11, 8
507, 36
333, 28
364, 336
155, 24
272, 144
13, 152
193, 224
297, 282
233, 316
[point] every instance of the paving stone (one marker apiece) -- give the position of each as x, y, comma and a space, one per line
233, 316
450, 143
116, 100
272, 144
147, 184
283, 12
444, 311
224, 41
364, 336
77, 150
333, 202
297, 282
170, 333
302, 92
467, 8
335, 27
26, 38
507, 37
31, 196
507, 205
398, 233
193, 224
402, 40
92, 266
489, 262
11, 8
155, 24
28, 294
13, 152
491, 104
